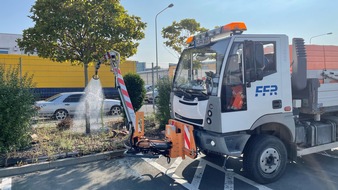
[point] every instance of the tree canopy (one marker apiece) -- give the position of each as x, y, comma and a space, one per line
81, 30
177, 33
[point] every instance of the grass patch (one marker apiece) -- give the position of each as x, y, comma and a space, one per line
51, 141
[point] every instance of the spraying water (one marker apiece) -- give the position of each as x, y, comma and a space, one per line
94, 98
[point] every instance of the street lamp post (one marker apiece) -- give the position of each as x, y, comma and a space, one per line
169, 6
329, 33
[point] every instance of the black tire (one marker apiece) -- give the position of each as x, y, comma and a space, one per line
60, 114
115, 110
265, 158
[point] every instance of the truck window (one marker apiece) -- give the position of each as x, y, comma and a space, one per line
262, 60
233, 89
269, 58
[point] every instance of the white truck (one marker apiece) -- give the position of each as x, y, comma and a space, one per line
237, 94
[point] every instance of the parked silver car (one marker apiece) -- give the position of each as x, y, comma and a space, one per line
149, 96
65, 104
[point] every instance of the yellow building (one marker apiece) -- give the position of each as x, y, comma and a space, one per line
53, 77
171, 70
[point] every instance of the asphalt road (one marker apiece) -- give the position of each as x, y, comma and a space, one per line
311, 172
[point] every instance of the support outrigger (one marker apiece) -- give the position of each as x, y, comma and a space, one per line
179, 139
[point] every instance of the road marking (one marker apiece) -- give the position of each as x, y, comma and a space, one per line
229, 179
229, 175
173, 167
173, 176
6, 183
198, 174
246, 180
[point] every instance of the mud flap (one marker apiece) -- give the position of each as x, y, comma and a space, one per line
182, 138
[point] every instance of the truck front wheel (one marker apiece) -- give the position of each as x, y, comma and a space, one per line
265, 158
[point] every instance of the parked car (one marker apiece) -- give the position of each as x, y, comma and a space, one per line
149, 96
148, 87
65, 104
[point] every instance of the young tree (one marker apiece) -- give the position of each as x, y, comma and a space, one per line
177, 33
80, 31
163, 101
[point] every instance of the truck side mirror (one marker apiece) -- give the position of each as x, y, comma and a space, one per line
252, 75
253, 60
259, 74
259, 60
259, 56
249, 62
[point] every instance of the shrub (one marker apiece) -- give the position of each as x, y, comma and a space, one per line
65, 124
163, 101
135, 86
16, 109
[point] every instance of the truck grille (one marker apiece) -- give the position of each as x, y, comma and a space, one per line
197, 121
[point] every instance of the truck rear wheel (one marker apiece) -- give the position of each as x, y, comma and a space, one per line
265, 158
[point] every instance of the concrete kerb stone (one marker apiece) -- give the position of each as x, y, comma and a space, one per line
12, 171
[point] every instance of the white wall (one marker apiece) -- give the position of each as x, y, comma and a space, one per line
8, 42
147, 75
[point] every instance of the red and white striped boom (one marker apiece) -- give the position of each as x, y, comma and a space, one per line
114, 58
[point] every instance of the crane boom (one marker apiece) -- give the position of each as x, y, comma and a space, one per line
179, 140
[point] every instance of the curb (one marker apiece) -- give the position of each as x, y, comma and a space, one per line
12, 171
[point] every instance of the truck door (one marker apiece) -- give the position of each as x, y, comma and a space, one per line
251, 82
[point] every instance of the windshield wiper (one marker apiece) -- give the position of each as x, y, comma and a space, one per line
183, 90
197, 92
191, 93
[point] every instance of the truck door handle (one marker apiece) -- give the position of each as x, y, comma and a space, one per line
66, 104
277, 104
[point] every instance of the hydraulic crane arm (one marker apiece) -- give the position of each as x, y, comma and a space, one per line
179, 139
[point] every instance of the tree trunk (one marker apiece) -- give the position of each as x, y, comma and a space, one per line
85, 66
87, 115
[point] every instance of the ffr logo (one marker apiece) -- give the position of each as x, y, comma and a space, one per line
267, 89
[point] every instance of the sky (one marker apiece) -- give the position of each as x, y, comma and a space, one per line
295, 18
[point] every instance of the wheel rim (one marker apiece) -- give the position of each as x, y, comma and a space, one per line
115, 111
270, 160
60, 115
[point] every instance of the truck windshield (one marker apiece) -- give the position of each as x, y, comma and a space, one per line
199, 68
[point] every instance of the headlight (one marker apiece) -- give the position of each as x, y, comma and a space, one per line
209, 113
208, 120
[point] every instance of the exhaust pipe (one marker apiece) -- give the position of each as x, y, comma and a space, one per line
298, 76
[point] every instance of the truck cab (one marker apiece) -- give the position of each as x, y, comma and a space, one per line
225, 88
239, 93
